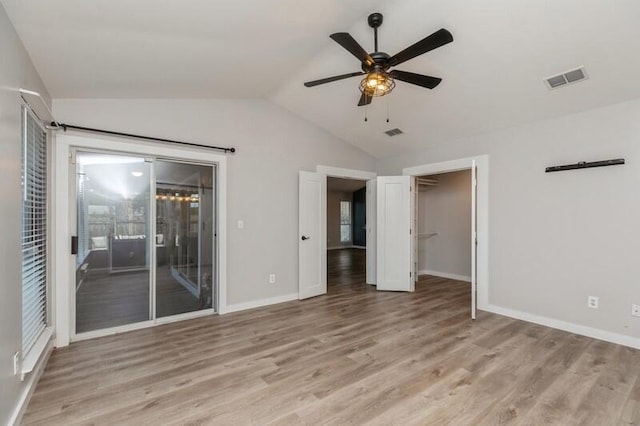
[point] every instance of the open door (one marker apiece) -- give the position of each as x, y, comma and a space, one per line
474, 239
371, 230
312, 249
394, 234
414, 227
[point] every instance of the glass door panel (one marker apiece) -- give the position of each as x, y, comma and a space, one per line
113, 196
184, 242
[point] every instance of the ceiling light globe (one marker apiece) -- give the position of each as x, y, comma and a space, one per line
377, 84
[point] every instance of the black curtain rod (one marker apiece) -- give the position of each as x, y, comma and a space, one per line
65, 127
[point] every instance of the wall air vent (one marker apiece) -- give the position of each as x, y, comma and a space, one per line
394, 132
567, 77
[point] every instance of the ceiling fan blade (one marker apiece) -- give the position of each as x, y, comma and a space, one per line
345, 40
330, 79
365, 100
435, 40
417, 79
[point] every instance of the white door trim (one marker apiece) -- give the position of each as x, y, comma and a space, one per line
474, 247
346, 173
482, 218
372, 235
339, 172
63, 267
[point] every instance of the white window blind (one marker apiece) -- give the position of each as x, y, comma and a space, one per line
34, 230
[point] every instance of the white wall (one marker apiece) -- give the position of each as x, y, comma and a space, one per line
556, 238
272, 146
445, 209
333, 217
16, 71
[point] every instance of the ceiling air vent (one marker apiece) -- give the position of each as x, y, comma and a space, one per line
565, 78
394, 132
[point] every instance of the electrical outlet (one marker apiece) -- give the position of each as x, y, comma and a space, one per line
16, 363
272, 278
241, 224
635, 310
592, 302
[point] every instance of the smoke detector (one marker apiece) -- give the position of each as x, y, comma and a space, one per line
567, 77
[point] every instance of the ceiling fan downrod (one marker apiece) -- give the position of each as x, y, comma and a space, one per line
375, 20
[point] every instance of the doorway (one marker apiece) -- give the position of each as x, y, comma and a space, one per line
312, 227
346, 232
479, 215
148, 236
443, 212
145, 239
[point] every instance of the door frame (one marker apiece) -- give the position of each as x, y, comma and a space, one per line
64, 269
338, 172
482, 212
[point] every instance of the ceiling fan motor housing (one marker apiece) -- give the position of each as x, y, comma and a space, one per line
380, 60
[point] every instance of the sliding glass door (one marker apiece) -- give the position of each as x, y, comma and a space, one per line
145, 239
185, 226
113, 284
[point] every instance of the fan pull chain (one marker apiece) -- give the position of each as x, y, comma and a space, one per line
387, 110
366, 109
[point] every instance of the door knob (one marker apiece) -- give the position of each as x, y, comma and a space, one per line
304, 238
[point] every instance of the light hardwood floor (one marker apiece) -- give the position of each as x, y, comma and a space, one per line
355, 356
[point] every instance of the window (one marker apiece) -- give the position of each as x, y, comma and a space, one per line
345, 221
34, 230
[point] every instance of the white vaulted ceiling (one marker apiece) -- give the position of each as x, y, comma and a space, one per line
492, 73
174, 48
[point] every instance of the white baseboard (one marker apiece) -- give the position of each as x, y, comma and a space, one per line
30, 386
607, 336
445, 275
262, 302
346, 247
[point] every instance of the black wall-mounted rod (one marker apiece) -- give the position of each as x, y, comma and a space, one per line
585, 165
66, 127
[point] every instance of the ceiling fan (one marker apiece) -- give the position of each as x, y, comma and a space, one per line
379, 81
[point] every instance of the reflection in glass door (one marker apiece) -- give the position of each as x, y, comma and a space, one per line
117, 280
113, 224
185, 229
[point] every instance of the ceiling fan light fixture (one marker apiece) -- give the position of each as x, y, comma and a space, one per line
377, 84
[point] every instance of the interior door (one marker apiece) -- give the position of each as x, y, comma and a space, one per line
414, 227
474, 239
371, 230
394, 235
312, 250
